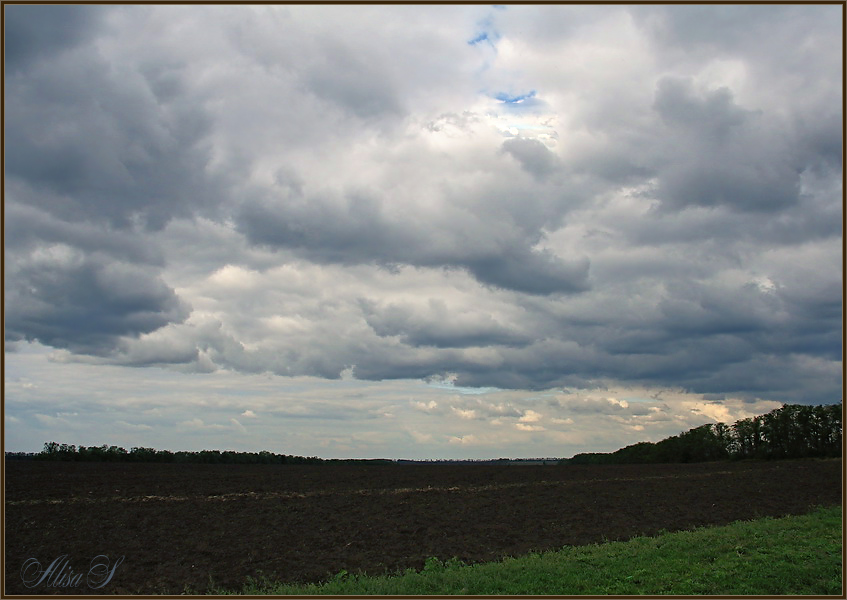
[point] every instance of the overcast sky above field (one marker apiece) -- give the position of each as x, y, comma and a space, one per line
418, 231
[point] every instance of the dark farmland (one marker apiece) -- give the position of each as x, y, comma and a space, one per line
178, 525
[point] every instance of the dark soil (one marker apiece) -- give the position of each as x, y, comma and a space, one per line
179, 527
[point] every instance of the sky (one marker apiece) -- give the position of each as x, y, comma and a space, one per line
418, 231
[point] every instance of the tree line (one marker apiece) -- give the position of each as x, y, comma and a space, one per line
793, 431
105, 453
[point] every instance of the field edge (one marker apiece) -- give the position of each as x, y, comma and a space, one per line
790, 555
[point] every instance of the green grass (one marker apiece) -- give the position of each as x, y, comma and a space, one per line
794, 555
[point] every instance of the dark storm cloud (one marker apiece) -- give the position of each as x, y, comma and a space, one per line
97, 140
88, 150
37, 32
533, 155
97, 151
86, 304
782, 378
712, 116
809, 220
355, 230
325, 230
377, 367
727, 30
715, 27
696, 337
722, 157
440, 327
353, 83
532, 272
822, 139
29, 227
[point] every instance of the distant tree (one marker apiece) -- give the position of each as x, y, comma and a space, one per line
50, 451
792, 431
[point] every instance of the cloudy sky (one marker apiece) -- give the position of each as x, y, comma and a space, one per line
418, 231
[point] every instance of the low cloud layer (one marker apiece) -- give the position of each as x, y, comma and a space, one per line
521, 198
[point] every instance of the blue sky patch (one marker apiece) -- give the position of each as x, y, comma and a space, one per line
510, 99
482, 37
488, 33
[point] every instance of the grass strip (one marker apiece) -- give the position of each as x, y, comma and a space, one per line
795, 555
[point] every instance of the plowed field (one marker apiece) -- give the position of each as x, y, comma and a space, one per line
180, 525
